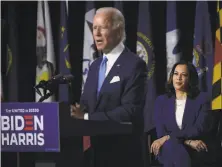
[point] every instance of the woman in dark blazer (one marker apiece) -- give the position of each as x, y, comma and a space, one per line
180, 118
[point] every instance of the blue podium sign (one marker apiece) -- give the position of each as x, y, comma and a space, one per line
30, 127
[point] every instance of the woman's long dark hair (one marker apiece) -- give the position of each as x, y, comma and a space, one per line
193, 81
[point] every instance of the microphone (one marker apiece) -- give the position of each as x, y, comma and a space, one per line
60, 79
67, 79
45, 84
52, 84
55, 79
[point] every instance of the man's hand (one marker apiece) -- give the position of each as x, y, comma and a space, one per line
198, 145
76, 112
157, 144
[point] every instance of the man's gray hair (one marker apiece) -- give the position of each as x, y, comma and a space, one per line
117, 18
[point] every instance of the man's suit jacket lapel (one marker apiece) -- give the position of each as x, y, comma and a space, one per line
94, 83
113, 72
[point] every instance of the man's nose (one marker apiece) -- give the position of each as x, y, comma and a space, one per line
97, 31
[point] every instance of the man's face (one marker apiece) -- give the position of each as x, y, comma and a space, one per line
105, 36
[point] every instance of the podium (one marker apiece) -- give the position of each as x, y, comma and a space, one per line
34, 122
76, 127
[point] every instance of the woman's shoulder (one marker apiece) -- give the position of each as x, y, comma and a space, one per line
203, 97
161, 97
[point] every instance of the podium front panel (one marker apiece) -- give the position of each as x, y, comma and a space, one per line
30, 127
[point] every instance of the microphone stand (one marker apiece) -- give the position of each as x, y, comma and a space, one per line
51, 90
46, 96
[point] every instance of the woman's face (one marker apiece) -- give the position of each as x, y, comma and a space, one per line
180, 77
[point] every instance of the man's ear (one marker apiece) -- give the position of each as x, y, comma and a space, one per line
119, 33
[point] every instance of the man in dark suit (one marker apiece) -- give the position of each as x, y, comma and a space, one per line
114, 90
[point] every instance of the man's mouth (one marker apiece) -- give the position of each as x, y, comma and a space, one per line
99, 41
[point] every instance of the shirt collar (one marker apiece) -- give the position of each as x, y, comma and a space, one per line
115, 53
